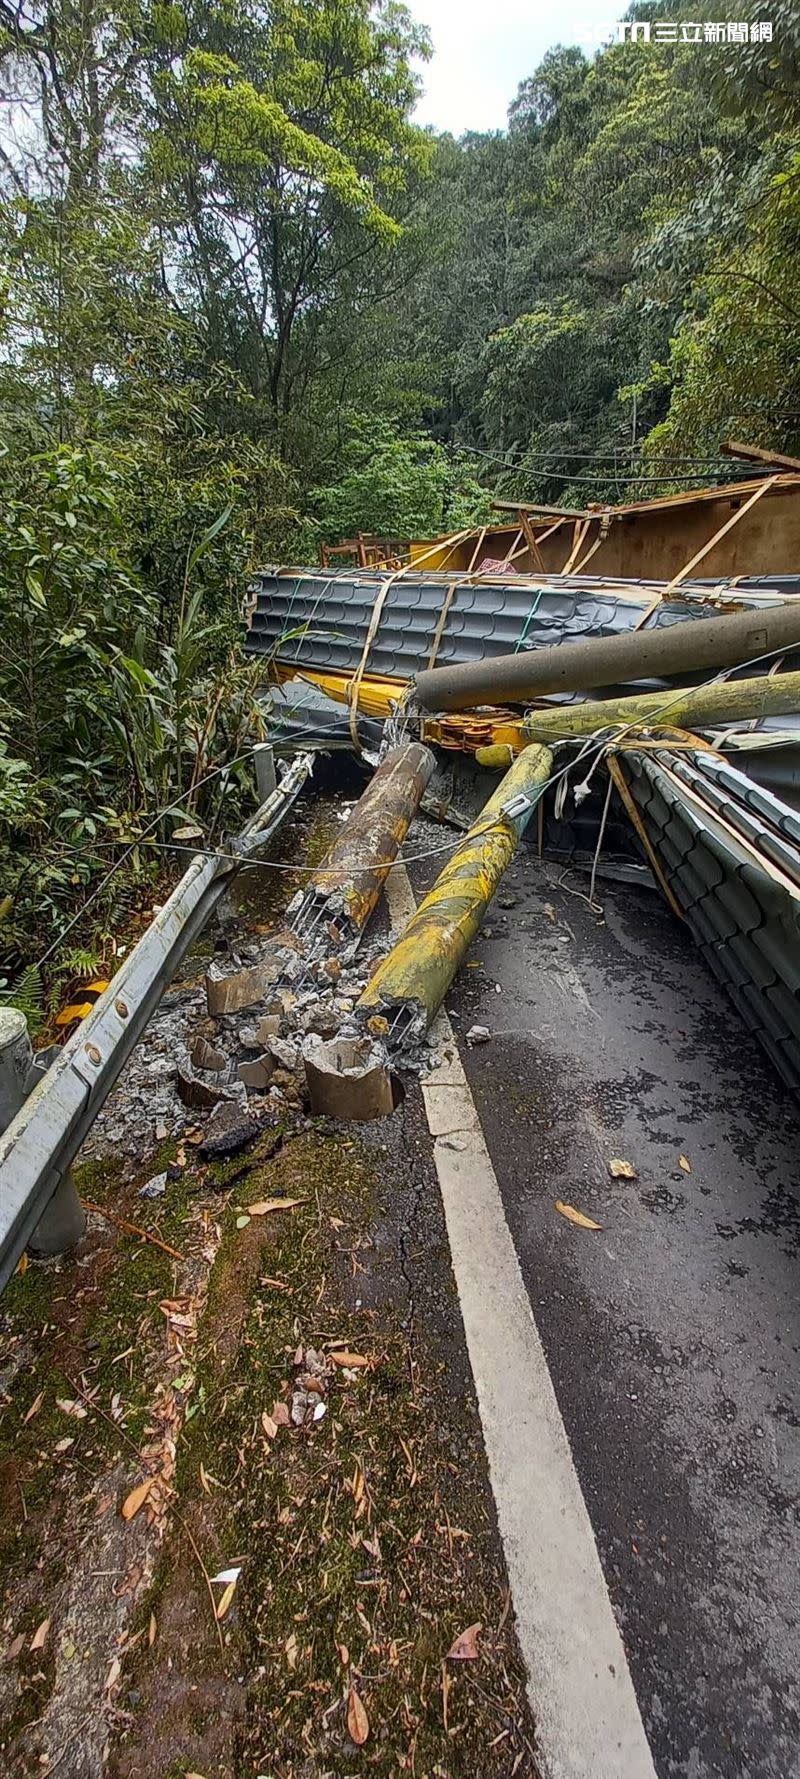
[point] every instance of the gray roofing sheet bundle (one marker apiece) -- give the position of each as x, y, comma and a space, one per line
320, 619
744, 915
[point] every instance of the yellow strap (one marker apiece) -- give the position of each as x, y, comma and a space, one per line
446, 604
377, 611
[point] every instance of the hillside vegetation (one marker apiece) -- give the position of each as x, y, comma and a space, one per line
247, 304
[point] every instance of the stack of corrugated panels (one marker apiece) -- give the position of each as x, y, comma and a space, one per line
730, 852
319, 621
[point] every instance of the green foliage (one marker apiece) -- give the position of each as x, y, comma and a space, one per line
246, 305
397, 486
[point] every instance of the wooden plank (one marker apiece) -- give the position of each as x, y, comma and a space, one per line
530, 539
756, 454
538, 506
718, 535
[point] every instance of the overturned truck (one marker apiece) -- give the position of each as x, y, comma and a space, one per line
631, 726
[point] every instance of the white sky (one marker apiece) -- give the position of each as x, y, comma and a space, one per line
484, 48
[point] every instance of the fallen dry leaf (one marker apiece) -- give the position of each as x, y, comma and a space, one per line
63, 1445
270, 1427
622, 1170
265, 1205
465, 1648
684, 1162
357, 1719
113, 1674
137, 1498
39, 1637
280, 1414
225, 1600
343, 1654
71, 1408
152, 1630
291, 1651
34, 1408
574, 1216
349, 1361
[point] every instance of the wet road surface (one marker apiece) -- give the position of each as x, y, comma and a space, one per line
672, 1334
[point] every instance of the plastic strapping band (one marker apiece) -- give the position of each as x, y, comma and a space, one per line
443, 616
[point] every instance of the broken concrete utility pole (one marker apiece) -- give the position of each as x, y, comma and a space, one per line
726, 640
685, 707
408, 987
334, 907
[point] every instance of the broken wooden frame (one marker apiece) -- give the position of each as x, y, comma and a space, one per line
43, 1138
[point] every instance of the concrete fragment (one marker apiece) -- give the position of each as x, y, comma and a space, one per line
207, 1056
268, 1027
285, 1052
199, 1095
227, 994
257, 1072
348, 1079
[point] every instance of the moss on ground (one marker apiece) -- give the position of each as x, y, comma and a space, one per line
364, 1551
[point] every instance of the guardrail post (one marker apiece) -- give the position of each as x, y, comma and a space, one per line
63, 1221
265, 770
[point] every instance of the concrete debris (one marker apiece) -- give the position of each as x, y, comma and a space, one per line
257, 1074
230, 1129
348, 1079
285, 1053
199, 1095
207, 1056
478, 1034
229, 994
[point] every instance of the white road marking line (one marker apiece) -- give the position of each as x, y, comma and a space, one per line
579, 1683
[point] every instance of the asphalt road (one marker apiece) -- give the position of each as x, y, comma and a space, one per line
671, 1334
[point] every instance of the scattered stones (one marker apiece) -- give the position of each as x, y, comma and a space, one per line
478, 1034
154, 1188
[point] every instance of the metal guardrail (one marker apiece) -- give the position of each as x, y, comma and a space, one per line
43, 1138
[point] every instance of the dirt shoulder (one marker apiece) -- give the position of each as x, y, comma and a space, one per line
363, 1532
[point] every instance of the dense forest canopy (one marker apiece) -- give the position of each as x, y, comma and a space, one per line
246, 304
